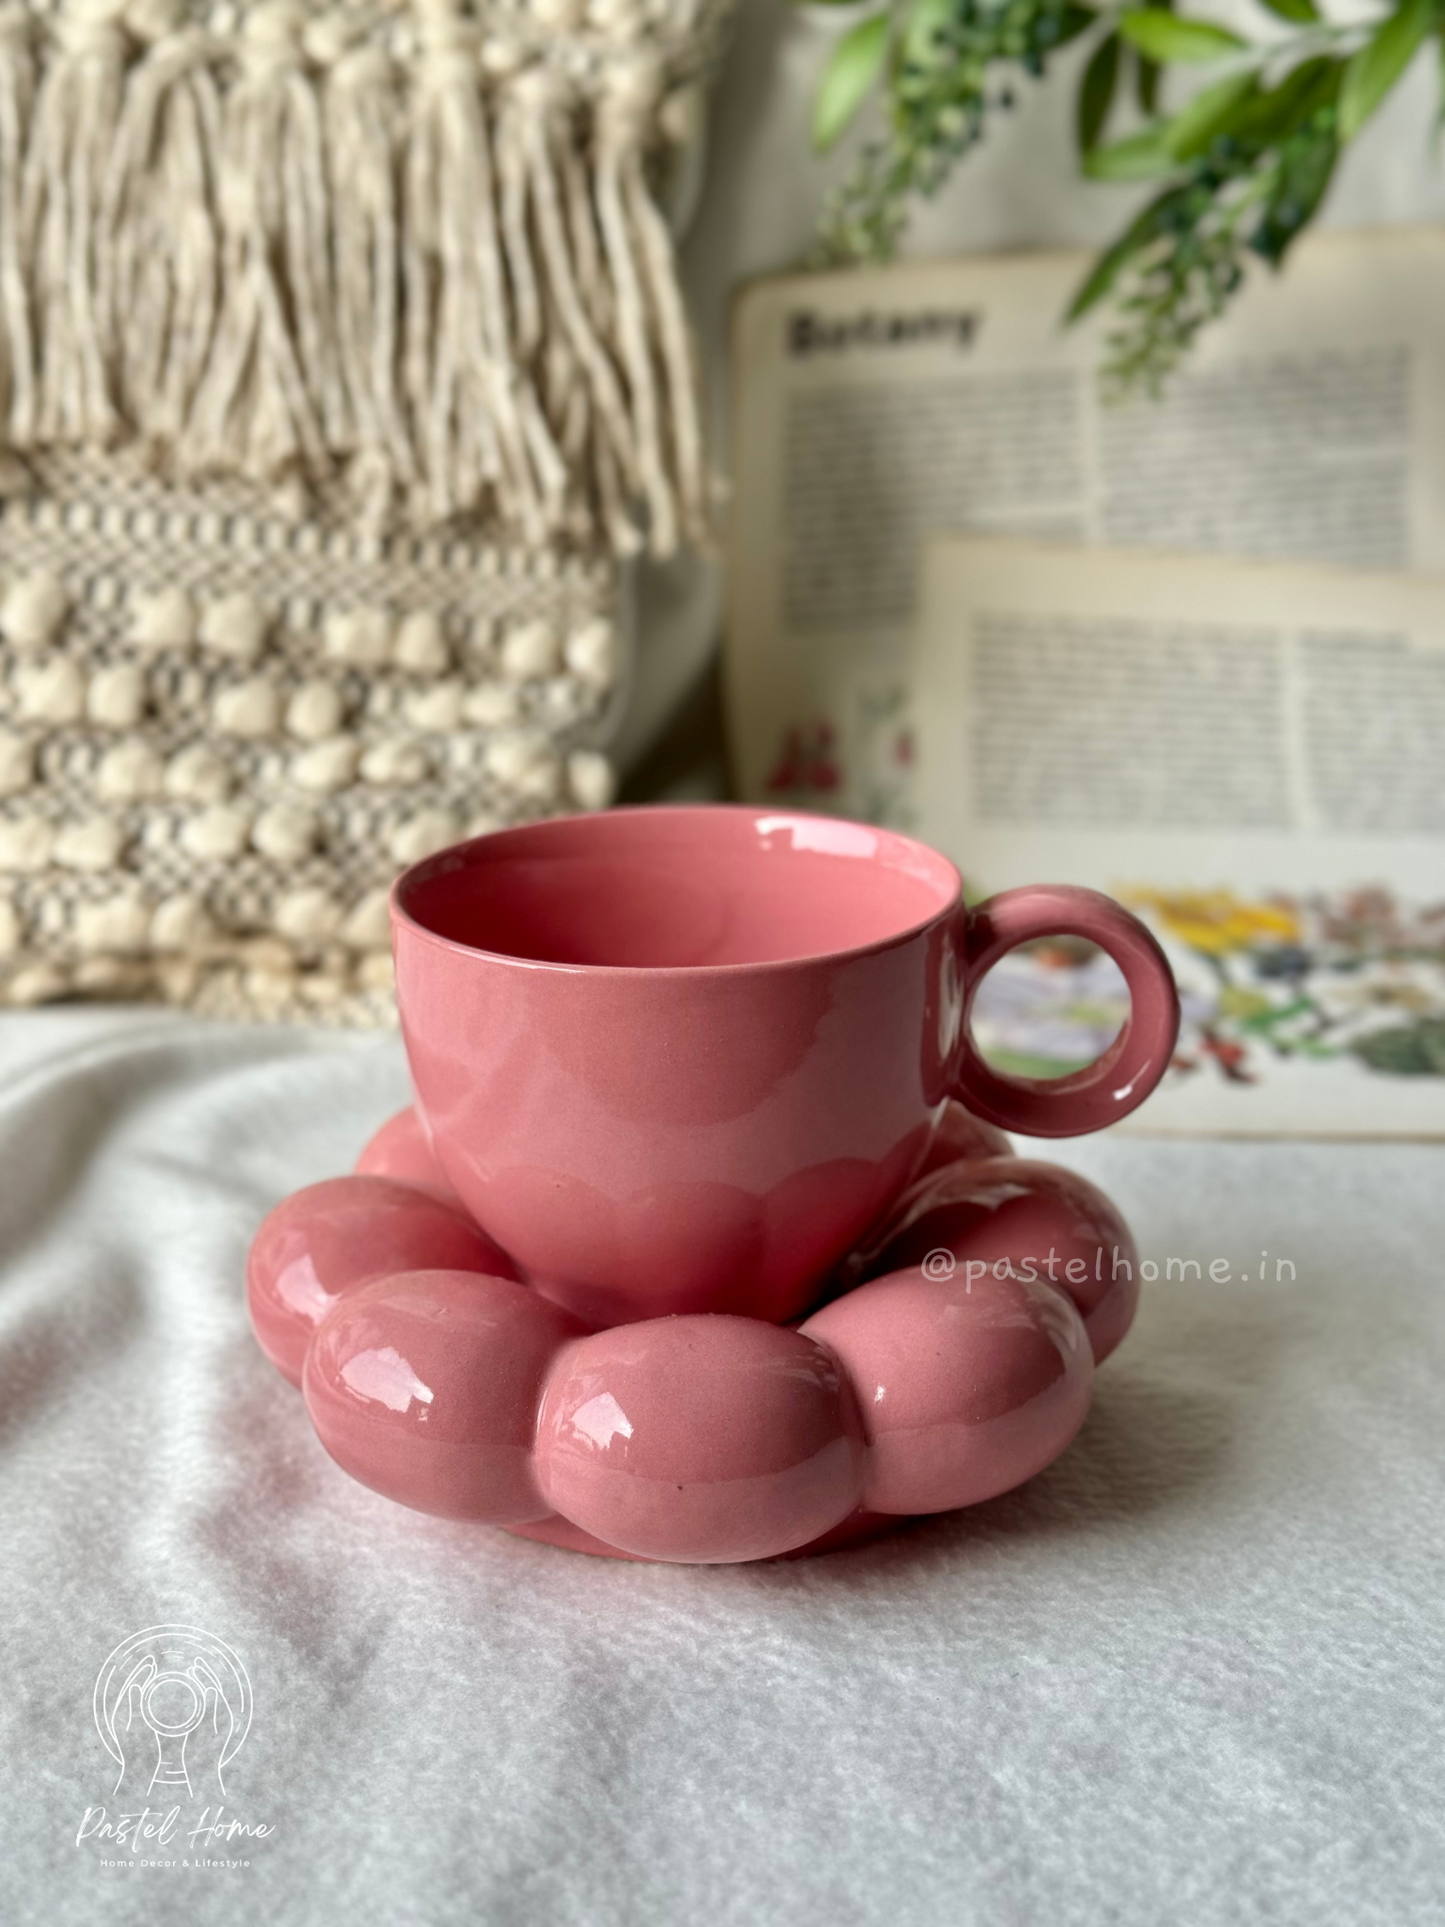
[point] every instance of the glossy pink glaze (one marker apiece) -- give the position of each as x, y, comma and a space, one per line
704, 1439
402, 1150
701, 1439
425, 1387
961, 1136
959, 1139
1117, 1082
856, 1530
965, 1391
1037, 1219
331, 1238
681, 1059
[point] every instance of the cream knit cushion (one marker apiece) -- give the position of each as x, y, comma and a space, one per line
221, 733
341, 364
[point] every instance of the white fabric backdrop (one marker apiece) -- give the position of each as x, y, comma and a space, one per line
1195, 1672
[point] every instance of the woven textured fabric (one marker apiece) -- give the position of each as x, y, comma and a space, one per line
420, 249
342, 367
221, 733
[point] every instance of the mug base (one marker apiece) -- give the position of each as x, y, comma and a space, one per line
858, 1529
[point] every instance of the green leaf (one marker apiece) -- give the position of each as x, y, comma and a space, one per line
1268, 117
1165, 38
1100, 279
1145, 228
1295, 201
1072, 22
1302, 12
1096, 92
1404, 1050
1142, 157
1147, 72
1209, 114
856, 63
1146, 85
1381, 61
921, 42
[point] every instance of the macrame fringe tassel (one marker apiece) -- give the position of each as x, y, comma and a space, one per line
291, 256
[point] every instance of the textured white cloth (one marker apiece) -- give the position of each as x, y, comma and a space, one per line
1192, 1673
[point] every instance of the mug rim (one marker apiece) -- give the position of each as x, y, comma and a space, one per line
453, 856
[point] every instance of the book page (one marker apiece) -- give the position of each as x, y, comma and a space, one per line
874, 408
1252, 756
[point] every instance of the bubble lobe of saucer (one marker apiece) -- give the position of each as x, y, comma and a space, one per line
330, 1238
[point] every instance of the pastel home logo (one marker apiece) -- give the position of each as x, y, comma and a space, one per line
172, 1708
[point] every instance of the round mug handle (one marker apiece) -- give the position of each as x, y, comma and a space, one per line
1117, 1082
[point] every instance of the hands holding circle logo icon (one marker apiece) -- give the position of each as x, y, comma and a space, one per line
172, 1707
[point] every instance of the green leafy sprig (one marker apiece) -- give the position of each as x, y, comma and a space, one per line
1240, 169
944, 65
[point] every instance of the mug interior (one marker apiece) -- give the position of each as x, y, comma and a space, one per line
678, 888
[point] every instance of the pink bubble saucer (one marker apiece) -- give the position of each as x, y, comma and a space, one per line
950, 1359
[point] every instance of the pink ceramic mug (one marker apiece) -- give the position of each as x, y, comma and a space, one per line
681, 1059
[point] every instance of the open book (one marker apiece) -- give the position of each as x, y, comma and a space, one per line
1290, 768
1252, 756
875, 408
